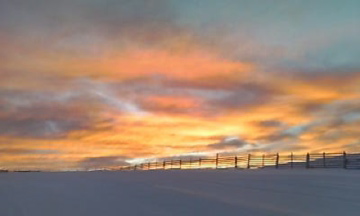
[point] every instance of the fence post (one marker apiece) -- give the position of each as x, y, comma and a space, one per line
345, 161
236, 162
171, 164
149, 164
200, 163
277, 160
263, 160
248, 161
164, 165
307, 160
217, 161
190, 163
180, 163
135, 167
324, 160
292, 160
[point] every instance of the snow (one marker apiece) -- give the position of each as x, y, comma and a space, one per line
182, 192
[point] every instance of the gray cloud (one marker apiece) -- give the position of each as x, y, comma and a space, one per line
25, 151
42, 114
213, 99
245, 95
103, 162
52, 114
270, 123
284, 145
87, 26
33, 127
229, 143
336, 122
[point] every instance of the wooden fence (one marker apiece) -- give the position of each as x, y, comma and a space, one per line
254, 161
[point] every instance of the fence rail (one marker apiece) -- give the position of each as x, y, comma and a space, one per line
254, 161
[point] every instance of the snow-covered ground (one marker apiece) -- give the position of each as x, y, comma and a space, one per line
182, 193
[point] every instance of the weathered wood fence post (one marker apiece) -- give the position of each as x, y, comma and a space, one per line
217, 161
171, 165
292, 160
248, 161
324, 160
263, 160
200, 163
180, 163
164, 165
236, 162
345, 160
307, 160
277, 161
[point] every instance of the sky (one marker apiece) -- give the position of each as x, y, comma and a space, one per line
89, 84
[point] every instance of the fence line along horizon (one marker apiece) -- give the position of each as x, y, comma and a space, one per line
254, 161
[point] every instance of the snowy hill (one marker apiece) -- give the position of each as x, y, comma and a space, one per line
182, 193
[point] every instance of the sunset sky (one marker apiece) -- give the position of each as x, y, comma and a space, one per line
90, 83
